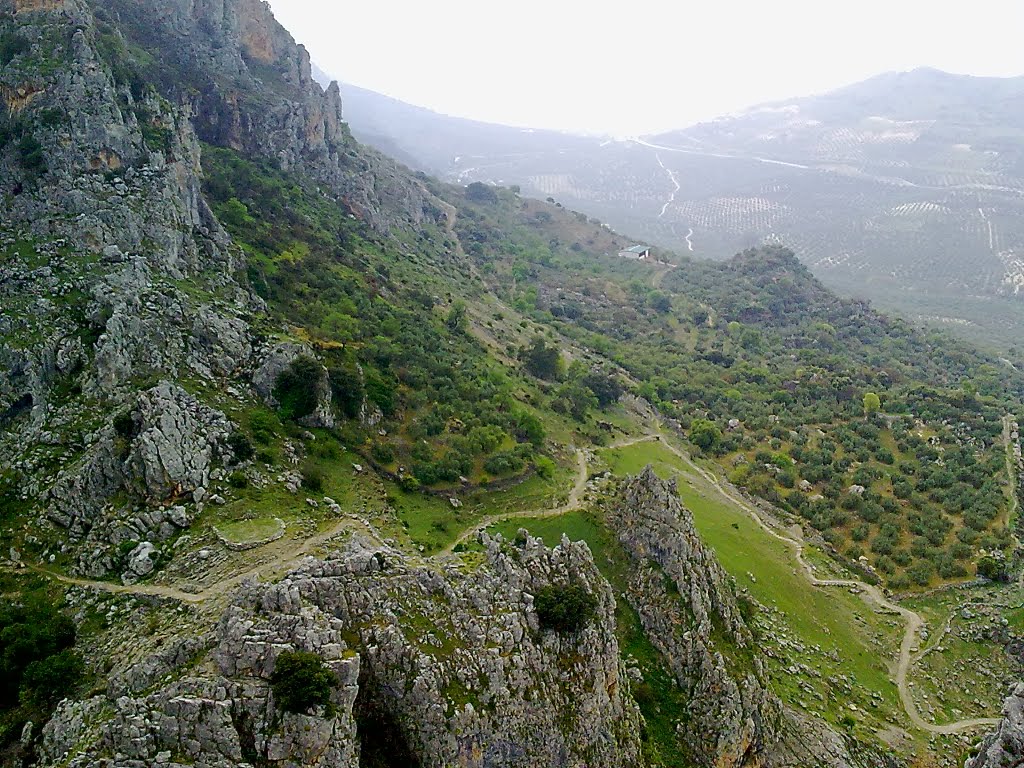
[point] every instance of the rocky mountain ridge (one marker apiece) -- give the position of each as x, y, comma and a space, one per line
132, 340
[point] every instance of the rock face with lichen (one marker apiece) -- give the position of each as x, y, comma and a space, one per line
690, 613
250, 88
1005, 747
688, 608
432, 667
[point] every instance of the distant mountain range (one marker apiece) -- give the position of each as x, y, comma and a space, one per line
907, 188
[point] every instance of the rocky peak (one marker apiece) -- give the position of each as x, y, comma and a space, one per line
676, 582
452, 665
250, 88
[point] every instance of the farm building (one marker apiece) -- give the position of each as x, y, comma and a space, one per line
636, 252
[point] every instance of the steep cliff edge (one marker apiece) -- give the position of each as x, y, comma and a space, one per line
450, 667
251, 89
1005, 747
690, 613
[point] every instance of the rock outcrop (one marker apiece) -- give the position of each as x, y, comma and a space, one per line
1005, 747
687, 606
250, 87
689, 610
450, 668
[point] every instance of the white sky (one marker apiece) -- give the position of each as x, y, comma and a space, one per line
641, 65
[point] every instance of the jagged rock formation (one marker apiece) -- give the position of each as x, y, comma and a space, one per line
732, 714
451, 666
137, 284
688, 607
1005, 747
251, 88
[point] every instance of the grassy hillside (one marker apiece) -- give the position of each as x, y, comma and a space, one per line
887, 440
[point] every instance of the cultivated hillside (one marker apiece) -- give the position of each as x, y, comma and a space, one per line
268, 396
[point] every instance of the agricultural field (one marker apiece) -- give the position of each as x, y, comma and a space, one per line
819, 658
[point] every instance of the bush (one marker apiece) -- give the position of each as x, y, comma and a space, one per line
124, 426
47, 681
38, 664
992, 568
302, 682
542, 361
545, 467
479, 192
241, 446
33, 159
564, 608
312, 478
347, 389
12, 45
383, 452
705, 435
296, 387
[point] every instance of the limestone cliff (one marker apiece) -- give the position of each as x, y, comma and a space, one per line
450, 667
689, 611
250, 87
1005, 747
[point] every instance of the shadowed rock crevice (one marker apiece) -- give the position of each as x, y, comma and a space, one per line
382, 741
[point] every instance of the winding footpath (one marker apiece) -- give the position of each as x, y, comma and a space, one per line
871, 594
572, 504
284, 561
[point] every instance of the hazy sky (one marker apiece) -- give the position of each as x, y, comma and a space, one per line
641, 65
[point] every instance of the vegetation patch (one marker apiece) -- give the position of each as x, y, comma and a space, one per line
38, 662
296, 387
564, 608
302, 683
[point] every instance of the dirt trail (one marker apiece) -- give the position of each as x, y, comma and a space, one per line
282, 562
573, 503
871, 594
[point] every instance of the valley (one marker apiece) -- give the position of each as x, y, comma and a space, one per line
893, 199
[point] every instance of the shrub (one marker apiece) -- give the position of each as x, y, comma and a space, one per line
545, 467
12, 45
705, 435
542, 361
347, 389
296, 387
33, 159
241, 446
312, 478
479, 192
383, 452
302, 682
992, 568
38, 664
124, 426
564, 608
46, 681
